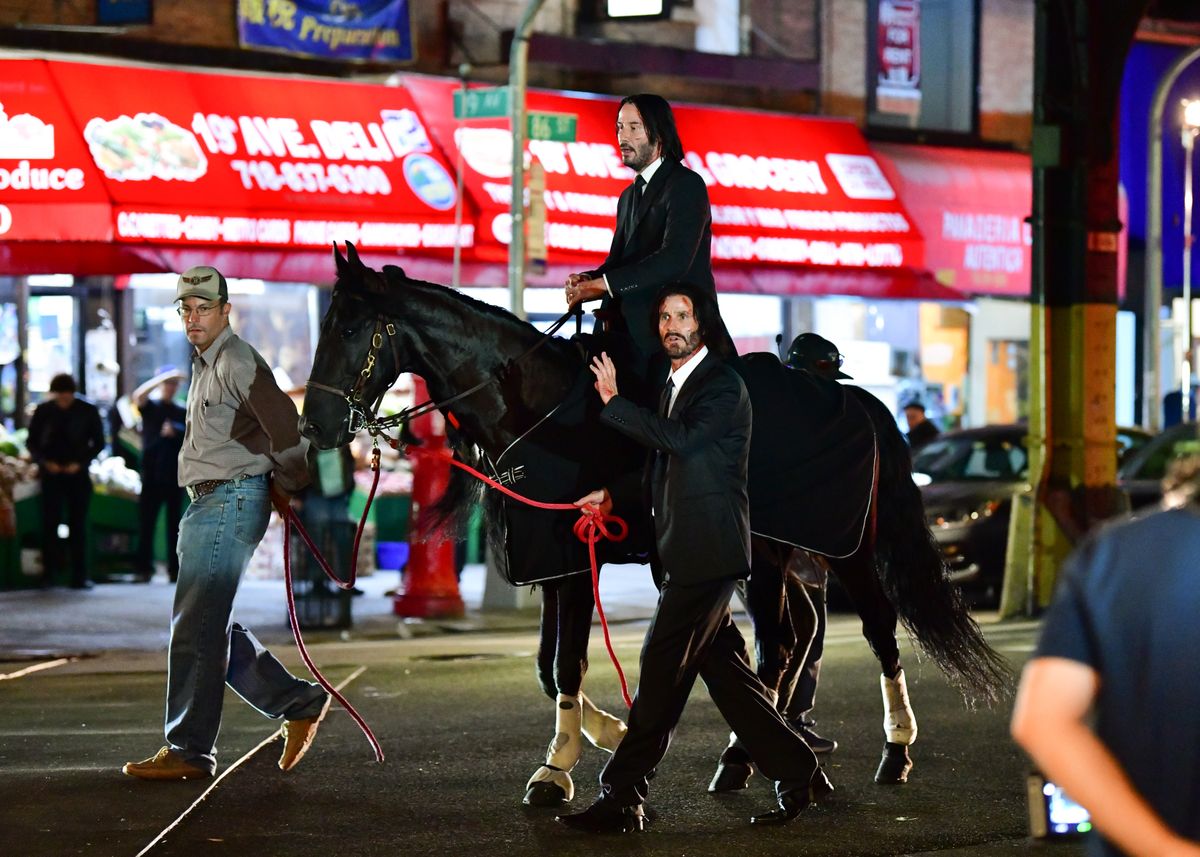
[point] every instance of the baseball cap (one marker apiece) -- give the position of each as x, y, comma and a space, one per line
816, 354
202, 281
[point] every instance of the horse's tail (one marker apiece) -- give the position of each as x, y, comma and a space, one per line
913, 574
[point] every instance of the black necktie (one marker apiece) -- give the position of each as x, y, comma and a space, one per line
664, 402
631, 221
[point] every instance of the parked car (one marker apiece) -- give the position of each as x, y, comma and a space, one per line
1142, 470
967, 480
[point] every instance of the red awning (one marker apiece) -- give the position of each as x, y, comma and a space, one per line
49, 188
165, 158
786, 191
971, 206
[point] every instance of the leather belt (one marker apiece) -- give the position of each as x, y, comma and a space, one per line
203, 489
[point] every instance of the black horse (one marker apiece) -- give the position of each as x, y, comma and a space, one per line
824, 477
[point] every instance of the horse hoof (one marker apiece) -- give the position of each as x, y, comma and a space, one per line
894, 766
545, 795
734, 771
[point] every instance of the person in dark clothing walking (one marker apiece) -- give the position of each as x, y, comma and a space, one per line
163, 425
698, 448
65, 434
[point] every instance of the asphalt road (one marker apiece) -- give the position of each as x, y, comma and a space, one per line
463, 726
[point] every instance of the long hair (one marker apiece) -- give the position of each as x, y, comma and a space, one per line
713, 332
659, 122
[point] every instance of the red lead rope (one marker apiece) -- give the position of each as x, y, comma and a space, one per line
592, 526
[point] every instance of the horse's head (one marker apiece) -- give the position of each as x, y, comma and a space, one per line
357, 355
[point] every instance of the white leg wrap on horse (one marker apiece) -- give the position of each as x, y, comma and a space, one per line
601, 728
566, 748
899, 721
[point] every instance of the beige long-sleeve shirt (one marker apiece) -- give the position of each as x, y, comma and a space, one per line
239, 423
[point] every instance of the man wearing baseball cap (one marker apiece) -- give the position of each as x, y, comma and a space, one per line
818, 355
241, 453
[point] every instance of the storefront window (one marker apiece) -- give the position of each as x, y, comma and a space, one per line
51, 339
278, 319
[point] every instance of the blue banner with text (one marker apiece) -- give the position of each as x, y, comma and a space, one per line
368, 30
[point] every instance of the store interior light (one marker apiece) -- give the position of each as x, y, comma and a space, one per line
636, 8
51, 281
1191, 114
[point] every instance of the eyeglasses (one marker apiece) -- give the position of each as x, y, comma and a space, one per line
201, 310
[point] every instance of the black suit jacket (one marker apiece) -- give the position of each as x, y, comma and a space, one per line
698, 491
672, 243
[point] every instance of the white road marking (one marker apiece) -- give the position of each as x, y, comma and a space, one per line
45, 665
274, 734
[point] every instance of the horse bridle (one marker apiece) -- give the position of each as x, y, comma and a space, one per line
363, 416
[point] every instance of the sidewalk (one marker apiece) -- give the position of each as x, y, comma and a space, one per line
136, 616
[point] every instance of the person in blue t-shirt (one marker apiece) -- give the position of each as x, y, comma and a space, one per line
1108, 706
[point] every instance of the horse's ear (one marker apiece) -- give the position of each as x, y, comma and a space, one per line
339, 260
352, 255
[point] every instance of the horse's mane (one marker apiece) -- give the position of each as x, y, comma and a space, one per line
464, 492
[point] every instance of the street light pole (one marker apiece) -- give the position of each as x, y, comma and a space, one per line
518, 55
1191, 125
1151, 383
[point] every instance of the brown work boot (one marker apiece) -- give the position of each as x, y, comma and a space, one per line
298, 736
166, 764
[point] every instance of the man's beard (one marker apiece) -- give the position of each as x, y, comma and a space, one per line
640, 158
677, 347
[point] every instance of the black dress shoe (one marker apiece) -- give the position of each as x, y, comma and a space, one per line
793, 801
606, 817
816, 743
734, 771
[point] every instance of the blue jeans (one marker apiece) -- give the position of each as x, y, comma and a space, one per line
217, 536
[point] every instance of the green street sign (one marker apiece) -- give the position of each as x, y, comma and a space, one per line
559, 127
489, 103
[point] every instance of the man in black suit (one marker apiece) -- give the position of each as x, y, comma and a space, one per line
663, 235
695, 478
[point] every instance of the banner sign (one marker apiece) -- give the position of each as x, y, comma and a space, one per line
124, 12
898, 60
369, 30
188, 157
784, 190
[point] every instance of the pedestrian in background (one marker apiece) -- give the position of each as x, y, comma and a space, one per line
65, 434
1107, 706
920, 429
242, 451
163, 425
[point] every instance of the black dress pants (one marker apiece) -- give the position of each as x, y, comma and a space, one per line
65, 496
692, 634
156, 495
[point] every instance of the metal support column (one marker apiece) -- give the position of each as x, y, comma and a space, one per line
1080, 49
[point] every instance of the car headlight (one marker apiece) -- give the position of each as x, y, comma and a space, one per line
958, 517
